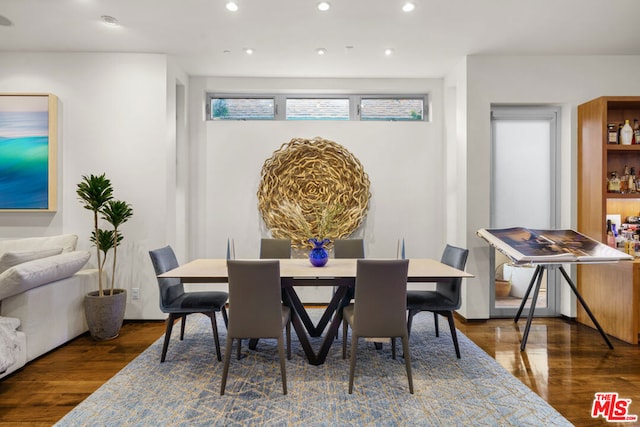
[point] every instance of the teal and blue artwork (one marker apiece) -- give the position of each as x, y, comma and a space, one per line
24, 152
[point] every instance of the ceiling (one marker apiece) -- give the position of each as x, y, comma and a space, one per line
206, 39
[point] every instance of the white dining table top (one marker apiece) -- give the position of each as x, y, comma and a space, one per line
215, 270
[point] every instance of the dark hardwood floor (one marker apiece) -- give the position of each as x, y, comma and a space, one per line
564, 362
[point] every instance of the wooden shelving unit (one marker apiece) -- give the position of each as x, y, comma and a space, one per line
611, 290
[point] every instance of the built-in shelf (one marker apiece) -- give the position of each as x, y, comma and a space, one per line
612, 291
619, 147
623, 196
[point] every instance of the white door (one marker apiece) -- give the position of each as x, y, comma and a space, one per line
525, 188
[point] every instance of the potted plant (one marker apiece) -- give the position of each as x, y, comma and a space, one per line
104, 308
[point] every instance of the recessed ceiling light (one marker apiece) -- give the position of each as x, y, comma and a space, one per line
248, 51
323, 6
5, 22
110, 21
232, 6
388, 52
408, 6
321, 51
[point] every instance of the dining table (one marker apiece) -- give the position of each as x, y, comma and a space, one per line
338, 273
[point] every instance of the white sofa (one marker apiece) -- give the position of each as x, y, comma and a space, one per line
42, 288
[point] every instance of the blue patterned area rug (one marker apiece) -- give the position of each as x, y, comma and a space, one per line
185, 390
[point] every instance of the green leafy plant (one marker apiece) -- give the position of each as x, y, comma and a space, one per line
220, 108
415, 115
96, 194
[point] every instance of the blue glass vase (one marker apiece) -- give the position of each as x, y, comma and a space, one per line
318, 255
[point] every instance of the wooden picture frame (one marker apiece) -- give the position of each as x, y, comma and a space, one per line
28, 152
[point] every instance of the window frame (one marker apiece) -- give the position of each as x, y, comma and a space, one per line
425, 107
316, 97
211, 97
280, 103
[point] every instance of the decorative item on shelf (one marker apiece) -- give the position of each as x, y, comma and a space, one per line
318, 256
612, 133
611, 239
613, 184
104, 308
626, 133
624, 180
636, 131
633, 219
306, 180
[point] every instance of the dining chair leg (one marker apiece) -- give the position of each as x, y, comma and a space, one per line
225, 369
167, 335
454, 336
288, 329
410, 320
435, 322
283, 366
216, 339
352, 365
407, 361
182, 325
393, 348
239, 348
335, 289
344, 339
225, 317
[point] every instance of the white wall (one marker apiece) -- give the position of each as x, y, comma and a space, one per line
112, 118
404, 162
566, 81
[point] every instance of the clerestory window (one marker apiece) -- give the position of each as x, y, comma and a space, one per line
410, 108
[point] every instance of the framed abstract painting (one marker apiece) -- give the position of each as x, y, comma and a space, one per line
28, 152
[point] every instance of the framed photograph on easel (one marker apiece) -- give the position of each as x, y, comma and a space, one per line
28, 152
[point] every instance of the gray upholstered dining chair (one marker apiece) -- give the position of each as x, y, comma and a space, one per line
275, 248
445, 299
379, 309
348, 248
178, 303
256, 309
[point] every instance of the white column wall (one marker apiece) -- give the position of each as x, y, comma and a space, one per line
455, 88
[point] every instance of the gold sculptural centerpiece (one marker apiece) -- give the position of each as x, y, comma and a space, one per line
313, 188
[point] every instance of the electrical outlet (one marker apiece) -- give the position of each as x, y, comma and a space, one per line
135, 293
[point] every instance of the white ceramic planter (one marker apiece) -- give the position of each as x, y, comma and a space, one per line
520, 277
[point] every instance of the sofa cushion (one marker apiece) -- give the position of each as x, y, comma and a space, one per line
31, 274
67, 242
9, 259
